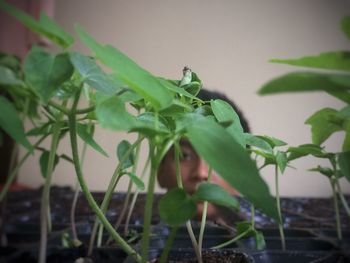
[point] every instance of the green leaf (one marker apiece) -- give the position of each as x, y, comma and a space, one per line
215, 194
281, 159
257, 142
45, 72
345, 25
259, 240
337, 60
137, 78
321, 126
92, 74
305, 149
323, 170
342, 95
112, 114
123, 147
176, 207
44, 161
224, 112
147, 123
344, 112
245, 226
84, 132
11, 123
274, 142
269, 157
232, 162
8, 78
307, 81
346, 143
45, 27
137, 181
344, 164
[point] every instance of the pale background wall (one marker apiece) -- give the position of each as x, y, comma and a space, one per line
228, 44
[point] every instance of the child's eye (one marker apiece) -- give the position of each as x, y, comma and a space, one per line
186, 156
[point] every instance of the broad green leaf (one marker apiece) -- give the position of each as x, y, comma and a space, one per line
323, 170
137, 78
345, 25
176, 207
344, 164
45, 72
177, 108
45, 27
215, 194
232, 162
85, 134
305, 149
257, 142
281, 159
338, 60
7, 77
245, 226
148, 124
11, 123
321, 126
274, 142
224, 112
112, 114
123, 147
344, 112
137, 181
307, 81
44, 161
92, 74
342, 95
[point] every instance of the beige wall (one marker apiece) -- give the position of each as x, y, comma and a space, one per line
228, 43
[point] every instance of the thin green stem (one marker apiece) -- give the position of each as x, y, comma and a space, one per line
278, 203
168, 244
92, 203
114, 180
204, 218
233, 240
14, 172
66, 111
45, 200
252, 215
149, 203
342, 199
336, 208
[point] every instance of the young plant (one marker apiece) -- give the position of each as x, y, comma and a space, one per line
326, 121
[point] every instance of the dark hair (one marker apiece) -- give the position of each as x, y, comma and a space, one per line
207, 95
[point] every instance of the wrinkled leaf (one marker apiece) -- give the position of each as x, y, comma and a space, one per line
92, 74
344, 164
84, 132
112, 114
338, 60
321, 126
45, 26
137, 181
137, 78
176, 207
45, 72
223, 111
44, 161
122, 149
215, 194
11, 123
232, 162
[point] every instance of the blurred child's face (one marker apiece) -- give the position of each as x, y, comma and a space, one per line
194, 170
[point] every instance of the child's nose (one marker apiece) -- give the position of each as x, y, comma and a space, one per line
202, 170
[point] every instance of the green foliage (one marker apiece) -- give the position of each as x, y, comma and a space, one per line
137, 181
344, 164
45, 72
231, 161
172, 203
44, 161
12, 124
215, 194
84, 131
123, 147
45, 26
